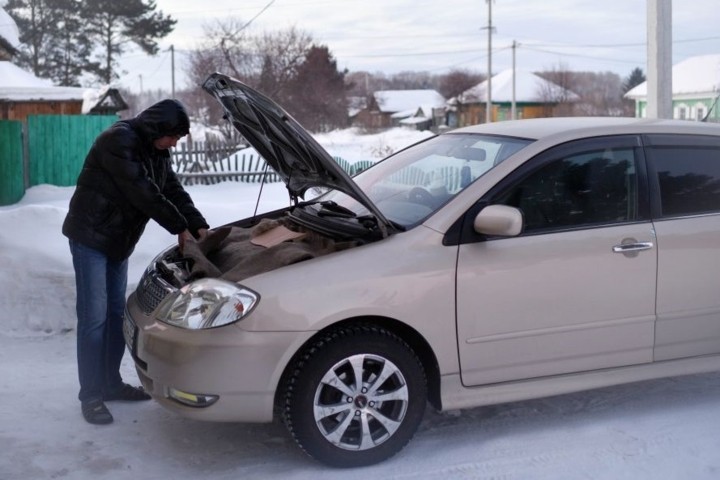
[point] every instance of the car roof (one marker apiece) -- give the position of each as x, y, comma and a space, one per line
539, 128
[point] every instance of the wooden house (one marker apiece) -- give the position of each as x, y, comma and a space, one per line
388, 108
695, 90
23, 94
534, 97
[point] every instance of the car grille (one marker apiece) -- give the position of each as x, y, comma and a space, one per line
151, 291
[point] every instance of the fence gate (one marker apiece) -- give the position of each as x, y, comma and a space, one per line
12, 182
58, 144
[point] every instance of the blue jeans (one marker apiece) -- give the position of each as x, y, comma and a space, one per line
101, 285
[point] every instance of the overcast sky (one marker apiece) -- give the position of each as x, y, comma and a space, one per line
440, 35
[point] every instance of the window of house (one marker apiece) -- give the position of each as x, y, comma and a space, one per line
682, 113
688, 177
588, 188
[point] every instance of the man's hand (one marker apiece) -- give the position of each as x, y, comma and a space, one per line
202, 233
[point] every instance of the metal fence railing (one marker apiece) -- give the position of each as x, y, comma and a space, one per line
206, 163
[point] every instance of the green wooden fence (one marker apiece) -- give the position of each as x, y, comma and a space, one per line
57, 145
12, 184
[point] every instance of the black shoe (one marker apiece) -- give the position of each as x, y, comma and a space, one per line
96, 412
128, 393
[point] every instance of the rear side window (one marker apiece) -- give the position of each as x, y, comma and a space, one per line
687, 174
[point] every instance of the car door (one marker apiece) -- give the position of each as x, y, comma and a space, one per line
685, 183
576, 290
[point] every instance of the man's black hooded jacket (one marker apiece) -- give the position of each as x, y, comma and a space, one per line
126, 181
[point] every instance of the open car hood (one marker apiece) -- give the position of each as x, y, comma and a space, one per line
284, 144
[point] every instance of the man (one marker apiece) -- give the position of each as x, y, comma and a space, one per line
125, 181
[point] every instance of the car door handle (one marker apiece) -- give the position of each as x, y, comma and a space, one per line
632, 247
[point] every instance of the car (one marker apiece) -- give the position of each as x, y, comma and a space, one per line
488, 264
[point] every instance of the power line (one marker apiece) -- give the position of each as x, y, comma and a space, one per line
562, 54
256, 16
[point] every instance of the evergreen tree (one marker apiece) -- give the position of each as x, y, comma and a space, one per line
48, 48
268, 83
318, 100
70, 57
112, 24
635, 78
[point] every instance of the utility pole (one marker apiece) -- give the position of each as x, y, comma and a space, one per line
659, 59
172, 67
141, 86
513, 108
488, 93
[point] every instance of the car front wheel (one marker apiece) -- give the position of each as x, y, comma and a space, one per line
355, 397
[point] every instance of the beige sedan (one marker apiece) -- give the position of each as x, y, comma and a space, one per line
489, 264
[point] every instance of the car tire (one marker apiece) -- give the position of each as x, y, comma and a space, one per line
343, 424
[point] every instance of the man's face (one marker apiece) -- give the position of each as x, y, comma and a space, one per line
163, 143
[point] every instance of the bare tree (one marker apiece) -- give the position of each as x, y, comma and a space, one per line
268, 62
556, 94
282, 53
457, 81
600, 94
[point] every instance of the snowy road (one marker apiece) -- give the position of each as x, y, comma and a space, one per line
665, 429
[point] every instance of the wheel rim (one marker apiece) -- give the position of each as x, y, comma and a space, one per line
360, 402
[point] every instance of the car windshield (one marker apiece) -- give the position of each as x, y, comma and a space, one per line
409, 186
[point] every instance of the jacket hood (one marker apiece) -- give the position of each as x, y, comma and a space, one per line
165, 118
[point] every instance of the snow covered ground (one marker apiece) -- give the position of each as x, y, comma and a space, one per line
664, 429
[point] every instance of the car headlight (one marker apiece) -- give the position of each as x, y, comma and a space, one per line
207, 303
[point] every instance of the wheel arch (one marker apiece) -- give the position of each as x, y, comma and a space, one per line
413, 338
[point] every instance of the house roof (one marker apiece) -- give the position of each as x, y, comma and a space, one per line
529, 88
700, 74
103, 100
392, 101
16, 84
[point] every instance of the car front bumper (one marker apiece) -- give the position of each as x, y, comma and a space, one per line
241, 368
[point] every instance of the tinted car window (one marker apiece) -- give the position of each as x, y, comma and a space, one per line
688, 177
591, 187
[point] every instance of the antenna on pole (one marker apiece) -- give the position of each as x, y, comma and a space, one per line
513, 106
172, 67
488, 90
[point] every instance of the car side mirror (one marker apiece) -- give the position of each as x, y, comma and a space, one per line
499, 220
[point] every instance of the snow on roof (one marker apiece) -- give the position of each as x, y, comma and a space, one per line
528, 88
413, 120
391, 101
699, 74
17, 84
8, 28
404, 113
424, 112
91, 97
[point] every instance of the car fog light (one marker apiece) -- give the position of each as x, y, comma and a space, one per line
192, 399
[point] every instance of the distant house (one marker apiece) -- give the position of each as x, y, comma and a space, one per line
389, 108
105, 101
425, 117
695, 90
23, 94
534, 97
